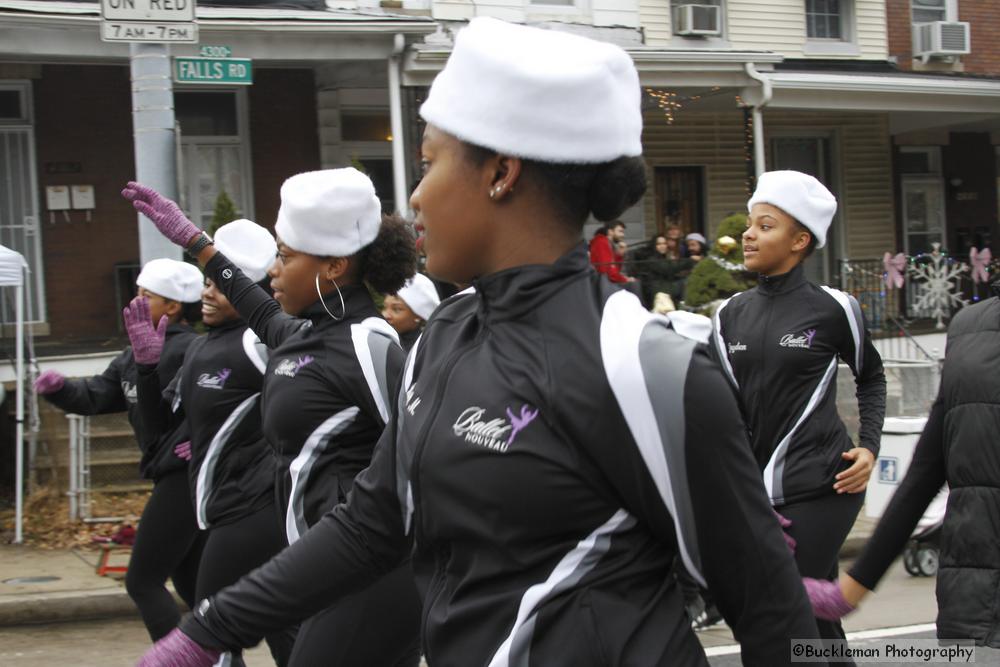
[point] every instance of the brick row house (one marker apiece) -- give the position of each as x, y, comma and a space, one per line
892, 103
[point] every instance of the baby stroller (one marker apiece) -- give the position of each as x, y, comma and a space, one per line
920, 556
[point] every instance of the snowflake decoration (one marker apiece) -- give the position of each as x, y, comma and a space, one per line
938, 293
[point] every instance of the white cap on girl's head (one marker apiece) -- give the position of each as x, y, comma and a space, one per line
800, 196
538, 94
171, 279
695, 236
247, 245
420, 295
330, 213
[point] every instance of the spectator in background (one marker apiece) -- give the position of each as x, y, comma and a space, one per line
602, 253
673, 235
665, 271
697, 246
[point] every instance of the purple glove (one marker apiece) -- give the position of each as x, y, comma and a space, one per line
165, 214
785, 525
147, 342
183, 450
49, 382
178, 650
828, 602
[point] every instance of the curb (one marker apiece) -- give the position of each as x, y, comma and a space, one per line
69, 606
853, 546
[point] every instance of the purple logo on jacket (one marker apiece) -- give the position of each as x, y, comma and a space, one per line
803, 340
497, 434
291, 367
216, 381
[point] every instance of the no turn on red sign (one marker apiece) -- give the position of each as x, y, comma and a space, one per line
148, 21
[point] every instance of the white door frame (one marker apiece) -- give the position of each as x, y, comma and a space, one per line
27, 128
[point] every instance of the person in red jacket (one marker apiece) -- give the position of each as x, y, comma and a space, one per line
602, 254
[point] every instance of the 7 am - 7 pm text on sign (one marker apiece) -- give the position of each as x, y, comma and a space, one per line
148, 21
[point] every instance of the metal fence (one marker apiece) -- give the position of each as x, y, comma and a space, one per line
911, 387
103, 460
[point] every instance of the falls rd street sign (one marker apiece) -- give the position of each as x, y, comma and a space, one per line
237, 71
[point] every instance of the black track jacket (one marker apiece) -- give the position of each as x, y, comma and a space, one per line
553, 449
217, 391
325, 396
114, 390
779, 344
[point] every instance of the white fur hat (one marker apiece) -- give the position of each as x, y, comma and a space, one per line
420, 295
800, 196
247, 245
171, 279
539, 94
332, 213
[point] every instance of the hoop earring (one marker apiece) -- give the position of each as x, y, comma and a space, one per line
343, 307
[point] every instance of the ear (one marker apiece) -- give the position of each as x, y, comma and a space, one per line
504, 174
801, 240
335, 269
173, 309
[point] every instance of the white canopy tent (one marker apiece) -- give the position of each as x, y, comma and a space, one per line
12, 274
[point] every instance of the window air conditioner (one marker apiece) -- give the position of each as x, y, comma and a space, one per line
697, 20
940, 38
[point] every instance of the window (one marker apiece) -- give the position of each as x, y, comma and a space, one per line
214, 156
919, 160
825, 19
13, 104
365, 126
927, 11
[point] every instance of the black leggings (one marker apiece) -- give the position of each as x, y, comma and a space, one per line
377, 627
167, 544
820, 526
236, 548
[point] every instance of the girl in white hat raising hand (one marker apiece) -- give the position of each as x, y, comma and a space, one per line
780, 344
326, 393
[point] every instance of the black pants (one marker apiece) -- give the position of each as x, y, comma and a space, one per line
167, 544
820, 527
236, 548
377, 627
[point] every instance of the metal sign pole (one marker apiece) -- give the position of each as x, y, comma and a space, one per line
154, 137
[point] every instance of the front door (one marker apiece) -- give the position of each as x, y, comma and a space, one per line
923, 214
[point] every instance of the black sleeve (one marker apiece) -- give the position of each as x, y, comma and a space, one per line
156, 414
261, 312
97, 395
924, 478
870, 380
746, 564
349, 548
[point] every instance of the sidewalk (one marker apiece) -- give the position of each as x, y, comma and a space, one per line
77, 593
69, 588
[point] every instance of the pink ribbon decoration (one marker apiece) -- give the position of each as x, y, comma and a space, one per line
979, 260
894, 267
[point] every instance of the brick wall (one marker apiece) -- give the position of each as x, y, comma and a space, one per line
83, 115
982, 15
284, 137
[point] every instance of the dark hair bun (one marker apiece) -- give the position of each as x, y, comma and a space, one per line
391, 259
616, 187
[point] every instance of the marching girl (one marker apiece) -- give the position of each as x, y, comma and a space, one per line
168, 542
550, 452
780, 344
332, 367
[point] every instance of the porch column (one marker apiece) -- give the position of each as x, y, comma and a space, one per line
399, 188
